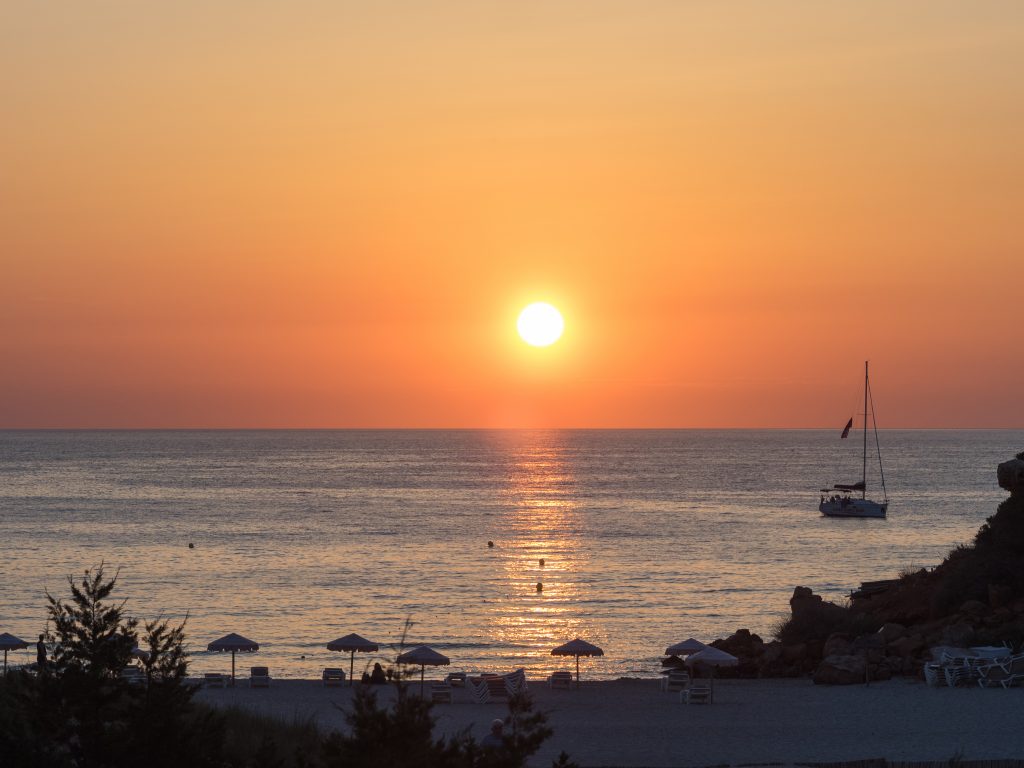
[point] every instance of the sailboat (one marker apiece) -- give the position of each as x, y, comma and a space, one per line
837, 501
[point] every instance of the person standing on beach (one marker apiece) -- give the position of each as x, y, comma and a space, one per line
495, 739
41, 653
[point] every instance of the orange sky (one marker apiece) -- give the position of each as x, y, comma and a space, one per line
328, 214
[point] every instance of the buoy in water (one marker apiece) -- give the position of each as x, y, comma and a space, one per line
540, 586
191, 545
490, 545
542, 562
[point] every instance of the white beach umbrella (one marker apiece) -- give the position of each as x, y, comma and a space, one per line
235, 644
11, 643
713, 657
351, 644
577, 648
425, 657
685, 648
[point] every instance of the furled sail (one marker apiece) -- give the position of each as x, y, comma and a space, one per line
849, 487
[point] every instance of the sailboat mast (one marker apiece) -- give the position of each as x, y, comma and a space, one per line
864, 469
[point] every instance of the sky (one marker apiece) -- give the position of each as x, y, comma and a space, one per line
329, 214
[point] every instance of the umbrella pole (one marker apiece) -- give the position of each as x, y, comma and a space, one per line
232, 669
5, 661
577, 672
423, 669
351, 666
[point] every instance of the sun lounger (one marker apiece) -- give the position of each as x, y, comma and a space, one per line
676, 680
133, 675
496, 686
214, 680
934, 675
333, 676
441, 693
696, 694
259, 677
560, 680
515, 682
481, 693
456, 679
1005, 674
961, 675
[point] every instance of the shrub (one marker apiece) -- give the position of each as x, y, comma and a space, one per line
79, 711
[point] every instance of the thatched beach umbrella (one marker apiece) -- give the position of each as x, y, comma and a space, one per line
11, 643
235, 644
425, 657
351, 644
577, 648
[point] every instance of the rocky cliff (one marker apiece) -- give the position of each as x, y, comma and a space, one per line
974, 597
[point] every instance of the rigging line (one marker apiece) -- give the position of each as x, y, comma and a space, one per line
878, 447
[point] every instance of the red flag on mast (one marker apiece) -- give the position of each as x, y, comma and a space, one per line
846, 429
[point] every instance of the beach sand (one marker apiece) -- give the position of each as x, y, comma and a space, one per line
633, 723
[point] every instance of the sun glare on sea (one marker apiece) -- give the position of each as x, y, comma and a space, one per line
540, 324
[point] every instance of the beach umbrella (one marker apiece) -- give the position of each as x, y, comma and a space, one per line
577, 648
11, 643
712, 657
235, 644
685, 648
140, 654
351, 644
425, 657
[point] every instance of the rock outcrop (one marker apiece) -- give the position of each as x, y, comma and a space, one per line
1011, 476
974, 597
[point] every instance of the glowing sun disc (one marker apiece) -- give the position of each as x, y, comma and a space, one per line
540, 324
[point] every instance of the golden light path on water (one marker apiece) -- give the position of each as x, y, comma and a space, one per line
543, 523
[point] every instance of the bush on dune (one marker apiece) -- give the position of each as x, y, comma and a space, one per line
402, 735
79, 712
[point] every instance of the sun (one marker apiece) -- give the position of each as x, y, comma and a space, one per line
540, 324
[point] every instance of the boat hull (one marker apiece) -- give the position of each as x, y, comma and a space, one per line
845, 507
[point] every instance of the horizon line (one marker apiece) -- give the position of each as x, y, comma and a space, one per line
498, 429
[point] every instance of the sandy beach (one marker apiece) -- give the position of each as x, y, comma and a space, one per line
633, 723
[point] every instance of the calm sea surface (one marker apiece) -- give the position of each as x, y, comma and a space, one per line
649, 537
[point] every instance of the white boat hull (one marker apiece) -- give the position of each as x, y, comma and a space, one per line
846, 507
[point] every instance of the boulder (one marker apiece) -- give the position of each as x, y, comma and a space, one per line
1011, 476
841, 670
805, 604
958, 635
871, 647
772, 652
795, 652
741, 644
838, 644
891, 631
906, 647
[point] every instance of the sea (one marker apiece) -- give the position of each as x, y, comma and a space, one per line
492, 547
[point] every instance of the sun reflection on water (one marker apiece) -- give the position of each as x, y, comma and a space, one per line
542, 523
